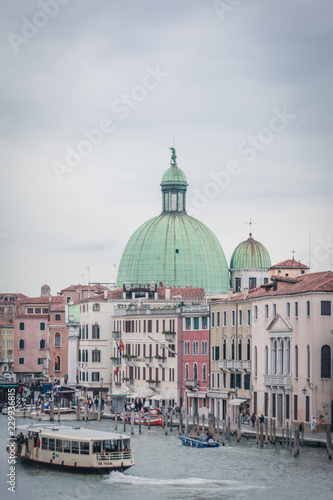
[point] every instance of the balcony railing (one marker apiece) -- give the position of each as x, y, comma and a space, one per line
277, 381
116, 334
153, 383
192, 384
235, 365
161, 360
169, 336
148, 360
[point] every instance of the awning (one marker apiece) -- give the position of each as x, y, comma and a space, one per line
237, 401
157, 397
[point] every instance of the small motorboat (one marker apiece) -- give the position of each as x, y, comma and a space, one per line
155, 418
199, 441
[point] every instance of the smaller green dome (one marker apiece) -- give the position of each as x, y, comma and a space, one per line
250, 254
174, 175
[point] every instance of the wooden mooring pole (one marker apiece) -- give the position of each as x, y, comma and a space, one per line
262, 434
132, 422
115, 419
266, 430
223, 432
329, 442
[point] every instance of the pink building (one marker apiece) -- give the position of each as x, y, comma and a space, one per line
194, 350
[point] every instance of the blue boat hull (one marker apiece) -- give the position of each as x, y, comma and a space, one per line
196, 442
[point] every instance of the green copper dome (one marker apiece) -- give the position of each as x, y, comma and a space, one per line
250, 254
174, 248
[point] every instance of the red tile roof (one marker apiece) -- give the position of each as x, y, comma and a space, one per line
288, 264
6, 323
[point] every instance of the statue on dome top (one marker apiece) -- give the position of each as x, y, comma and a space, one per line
173, 156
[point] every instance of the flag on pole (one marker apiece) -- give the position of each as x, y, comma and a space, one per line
116, 371
121, 346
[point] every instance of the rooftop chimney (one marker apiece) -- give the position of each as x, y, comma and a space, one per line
167, 292
246, 293
230, 293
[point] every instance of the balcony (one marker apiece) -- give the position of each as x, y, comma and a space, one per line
116, 361
130, 359
129, 381
116, 334
148, 360
192, 384
160, 360
153, 383
278, 381
169, 336
235, 365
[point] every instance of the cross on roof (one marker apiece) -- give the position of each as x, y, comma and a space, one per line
293, 252
250, 224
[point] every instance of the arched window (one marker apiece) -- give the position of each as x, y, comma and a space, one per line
296, 361
281, 359
204, 372
274, 355
21, 344
255, 362
96, 356
266, 360
42, 344
233, 349
57, 364
224, 349
95, 331
325, 371
186, 371
57, 339
217, 380
239, 348
287, 370
248, 349
195, 371
96, 307
308, 362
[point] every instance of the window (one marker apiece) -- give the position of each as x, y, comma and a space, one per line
195, 347
213, 320
224, 318
213, 352
21, 361
238, 284
96, 307
325, 371
96, 356
95, 331
255, 312
295, 407
42, 344
239, 348
75, 447
274, 310
57, 339
57, 364
217, 353
296, 309
84, 446
273, 405
213, 379
325, 307
204, 372
186, 372
232, 381
51, 444
233, 349
186, 347
287, 406
249, 317
171, 354
57, 317
59, 445
188, 323
21, 344
233, 318
95, 376
21, 326
218, 318
204, 345
247, 381
42, 326
195, 371
266, 404
252, 283
308, 362
266, 311
240, 314
296, 361
266, 360
196, 323
45, 443
307, 408
224, 349
308, 308
248, 350
238, 380
255, 361
288, 309
217, 381
41, 361
204, 323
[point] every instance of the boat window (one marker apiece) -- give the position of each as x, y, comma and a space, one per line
84, 448
45, 443
75, 447
97, 446
58, 444
67, 446
51, 444
109, 445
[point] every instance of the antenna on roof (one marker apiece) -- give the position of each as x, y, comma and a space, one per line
293, 252
250, 224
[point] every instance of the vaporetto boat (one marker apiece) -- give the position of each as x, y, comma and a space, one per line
73, 448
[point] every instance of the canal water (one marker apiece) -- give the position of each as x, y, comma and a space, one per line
165, 469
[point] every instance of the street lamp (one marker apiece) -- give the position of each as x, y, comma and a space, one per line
309, 385
101, 392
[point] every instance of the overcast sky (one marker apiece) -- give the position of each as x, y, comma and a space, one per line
94, 92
